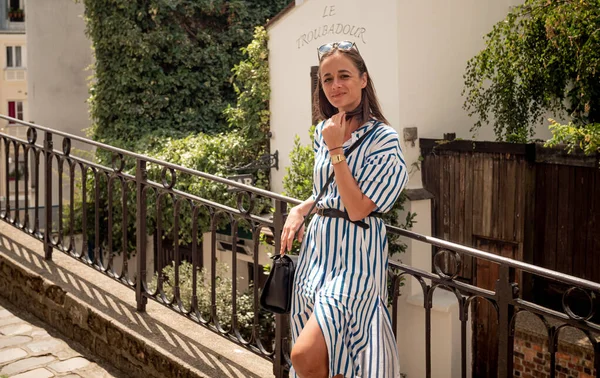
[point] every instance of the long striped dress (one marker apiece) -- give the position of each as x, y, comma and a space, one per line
341, 274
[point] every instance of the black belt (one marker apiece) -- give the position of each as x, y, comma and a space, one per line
335, 213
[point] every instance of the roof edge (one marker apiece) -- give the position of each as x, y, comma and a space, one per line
279, 15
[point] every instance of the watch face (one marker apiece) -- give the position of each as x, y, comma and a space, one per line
337, 158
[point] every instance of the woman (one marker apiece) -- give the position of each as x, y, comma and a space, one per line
340, 324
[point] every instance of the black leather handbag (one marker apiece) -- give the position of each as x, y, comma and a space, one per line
276, 295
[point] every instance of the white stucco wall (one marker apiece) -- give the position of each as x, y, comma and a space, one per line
416, 52
58, 55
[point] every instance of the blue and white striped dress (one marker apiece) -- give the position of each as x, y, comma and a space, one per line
341, 274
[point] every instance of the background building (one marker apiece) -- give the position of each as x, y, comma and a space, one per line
13, 80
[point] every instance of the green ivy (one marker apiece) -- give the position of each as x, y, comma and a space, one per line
545, 56
164, 66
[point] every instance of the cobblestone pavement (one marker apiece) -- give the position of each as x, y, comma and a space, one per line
29, 351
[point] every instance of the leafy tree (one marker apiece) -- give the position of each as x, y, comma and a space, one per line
545, 56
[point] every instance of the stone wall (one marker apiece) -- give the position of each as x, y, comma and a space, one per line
77, 321
532, 359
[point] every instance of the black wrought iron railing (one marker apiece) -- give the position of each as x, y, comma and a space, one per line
130, 220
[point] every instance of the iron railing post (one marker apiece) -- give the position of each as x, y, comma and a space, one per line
48, 148
505, 291
280, 320
140, 230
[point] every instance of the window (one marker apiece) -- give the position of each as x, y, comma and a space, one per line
15, 109
14, 56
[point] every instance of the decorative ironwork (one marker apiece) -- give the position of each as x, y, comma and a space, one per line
454, 257
174, 233
168, 183
66, 146
264, 162
118, 162
590, 296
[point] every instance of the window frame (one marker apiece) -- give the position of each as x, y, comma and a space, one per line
16, 110
12, 59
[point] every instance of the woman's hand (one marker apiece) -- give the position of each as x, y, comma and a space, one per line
293, 221
334, 131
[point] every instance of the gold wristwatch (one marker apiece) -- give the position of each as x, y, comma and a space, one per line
338, 158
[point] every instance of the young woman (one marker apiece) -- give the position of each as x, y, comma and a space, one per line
339, 320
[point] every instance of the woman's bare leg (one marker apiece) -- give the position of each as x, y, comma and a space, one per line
309, 354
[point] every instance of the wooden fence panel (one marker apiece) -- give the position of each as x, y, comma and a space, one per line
547, 204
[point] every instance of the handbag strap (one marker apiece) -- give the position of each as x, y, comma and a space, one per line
353, 147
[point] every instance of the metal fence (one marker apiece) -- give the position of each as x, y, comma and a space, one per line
120, 216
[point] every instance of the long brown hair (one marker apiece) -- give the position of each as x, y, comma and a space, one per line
369, 104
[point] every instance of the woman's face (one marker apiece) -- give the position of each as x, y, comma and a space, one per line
342, 82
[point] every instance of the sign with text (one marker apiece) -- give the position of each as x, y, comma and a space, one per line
247, 179
351, 32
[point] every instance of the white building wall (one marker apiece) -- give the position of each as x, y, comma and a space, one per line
58, 55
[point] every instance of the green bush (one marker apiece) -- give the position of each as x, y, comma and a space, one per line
585, 138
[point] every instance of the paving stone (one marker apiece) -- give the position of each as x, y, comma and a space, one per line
37, 373
45, 345
40, 333
94, 372
11, 354
17, 329
9, 320
66, 353
5, 313
13, 340
69, 365
26, 365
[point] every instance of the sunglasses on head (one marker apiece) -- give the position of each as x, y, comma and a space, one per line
343, 45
